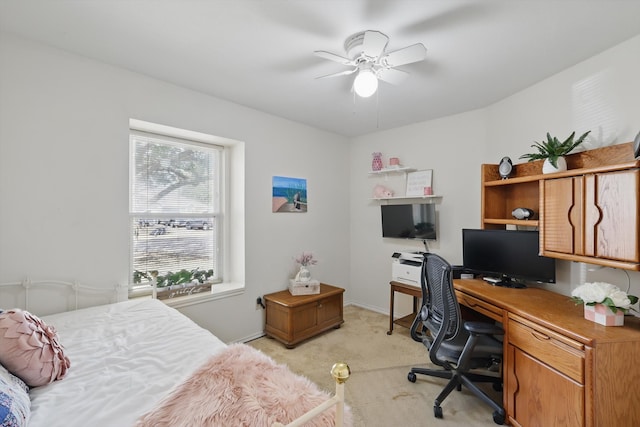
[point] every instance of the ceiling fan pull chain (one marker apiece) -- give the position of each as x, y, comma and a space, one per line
377, 109
353, 92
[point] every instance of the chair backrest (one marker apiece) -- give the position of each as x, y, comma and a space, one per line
441, 312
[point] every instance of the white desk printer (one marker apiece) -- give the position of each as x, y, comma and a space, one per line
406, 267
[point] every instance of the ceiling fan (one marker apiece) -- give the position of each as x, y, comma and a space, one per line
367, 56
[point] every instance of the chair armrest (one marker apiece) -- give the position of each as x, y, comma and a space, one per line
483, 328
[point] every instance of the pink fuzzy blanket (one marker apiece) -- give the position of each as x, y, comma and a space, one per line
241, 386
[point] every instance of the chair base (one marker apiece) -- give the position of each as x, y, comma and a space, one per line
456, 381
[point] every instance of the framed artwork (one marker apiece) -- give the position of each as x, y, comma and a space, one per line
419, 183
289, 194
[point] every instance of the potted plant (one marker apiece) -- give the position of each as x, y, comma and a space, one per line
604, 303
553, 152
183, 282
305, 260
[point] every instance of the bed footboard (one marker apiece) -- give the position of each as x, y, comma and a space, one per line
340, 373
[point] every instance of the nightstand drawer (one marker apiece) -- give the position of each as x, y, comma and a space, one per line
557, 351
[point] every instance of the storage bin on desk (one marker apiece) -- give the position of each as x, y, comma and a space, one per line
311, 287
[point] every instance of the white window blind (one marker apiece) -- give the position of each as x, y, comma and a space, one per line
175, 207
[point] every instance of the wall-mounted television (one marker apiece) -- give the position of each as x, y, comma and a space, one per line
510, 255
409, 221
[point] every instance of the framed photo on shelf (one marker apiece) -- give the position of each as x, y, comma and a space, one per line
419, 183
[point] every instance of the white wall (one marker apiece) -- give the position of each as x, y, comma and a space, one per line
600, 94
450, 147
64, 178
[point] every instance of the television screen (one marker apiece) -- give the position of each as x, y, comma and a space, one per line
415, 221
507, 255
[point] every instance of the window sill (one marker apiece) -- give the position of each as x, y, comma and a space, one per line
218, 291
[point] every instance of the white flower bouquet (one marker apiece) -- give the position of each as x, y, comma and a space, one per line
306, 259
603, 293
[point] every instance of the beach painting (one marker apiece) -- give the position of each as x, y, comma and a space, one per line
289, 194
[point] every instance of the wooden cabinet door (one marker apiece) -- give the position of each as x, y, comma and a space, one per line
562, 213
330, 310
539, 396
612, 215
595, 215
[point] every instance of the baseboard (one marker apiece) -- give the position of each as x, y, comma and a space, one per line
384, 311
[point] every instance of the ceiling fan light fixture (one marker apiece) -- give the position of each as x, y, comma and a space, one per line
365, 83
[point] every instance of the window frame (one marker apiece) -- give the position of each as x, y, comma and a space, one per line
231, 268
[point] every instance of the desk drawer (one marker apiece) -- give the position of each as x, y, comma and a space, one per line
555, 350
480, 306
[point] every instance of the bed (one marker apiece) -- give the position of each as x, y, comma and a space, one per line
141, 363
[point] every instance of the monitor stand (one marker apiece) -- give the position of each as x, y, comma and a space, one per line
505, 282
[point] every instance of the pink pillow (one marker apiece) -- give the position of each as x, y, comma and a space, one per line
29, 348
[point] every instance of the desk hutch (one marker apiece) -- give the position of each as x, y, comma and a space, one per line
560, 369
589, 213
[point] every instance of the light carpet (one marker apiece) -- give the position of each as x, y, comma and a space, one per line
378, 390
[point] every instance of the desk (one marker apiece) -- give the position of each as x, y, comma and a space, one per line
403, 288
558, 368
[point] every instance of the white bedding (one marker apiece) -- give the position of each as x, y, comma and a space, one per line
125, 358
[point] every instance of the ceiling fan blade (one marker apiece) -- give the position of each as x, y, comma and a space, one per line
333, 57
414, 53
341, 73
391, 75
374, 43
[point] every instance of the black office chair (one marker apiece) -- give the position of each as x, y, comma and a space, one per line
456, 346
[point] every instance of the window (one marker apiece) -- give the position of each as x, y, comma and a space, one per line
176, 212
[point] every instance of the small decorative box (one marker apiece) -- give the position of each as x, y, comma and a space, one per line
603, 315
311, 287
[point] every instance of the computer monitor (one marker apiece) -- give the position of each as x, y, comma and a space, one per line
510, 255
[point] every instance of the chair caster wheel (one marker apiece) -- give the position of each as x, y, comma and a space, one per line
498, 418
411, 377
437, 411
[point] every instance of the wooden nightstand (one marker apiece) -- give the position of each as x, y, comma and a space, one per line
292, 319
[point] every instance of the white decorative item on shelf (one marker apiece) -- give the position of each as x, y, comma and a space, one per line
312, 287
419, 183
382, 192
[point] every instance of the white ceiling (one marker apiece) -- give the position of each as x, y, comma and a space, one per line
260, 53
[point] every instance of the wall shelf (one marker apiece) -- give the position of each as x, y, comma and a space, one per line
386, 171
431, 199
518, 222
404, 171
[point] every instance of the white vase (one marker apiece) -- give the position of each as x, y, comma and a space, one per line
547, 167
303, 275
